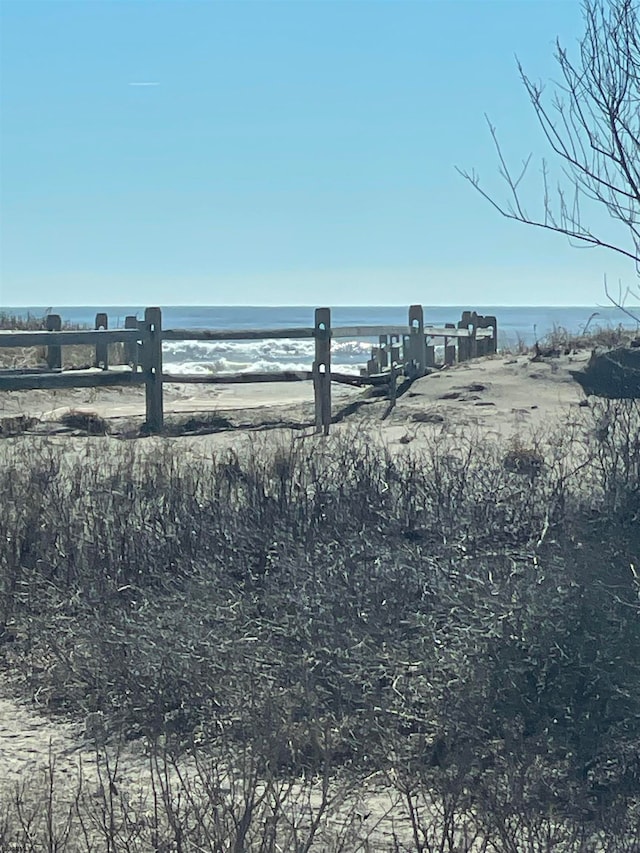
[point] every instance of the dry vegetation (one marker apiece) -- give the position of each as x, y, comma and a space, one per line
459, 624
605, 337
562, 340
25, 357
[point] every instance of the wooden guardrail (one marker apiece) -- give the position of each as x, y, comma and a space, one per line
401, 350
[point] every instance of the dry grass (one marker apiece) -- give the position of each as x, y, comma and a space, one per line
460, 622
72, 356
608, 337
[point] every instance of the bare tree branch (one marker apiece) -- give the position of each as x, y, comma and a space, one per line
592, 124
623, 295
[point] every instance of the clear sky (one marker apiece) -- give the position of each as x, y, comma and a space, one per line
290, 152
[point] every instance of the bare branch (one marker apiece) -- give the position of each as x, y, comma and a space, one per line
592, 124
620, 301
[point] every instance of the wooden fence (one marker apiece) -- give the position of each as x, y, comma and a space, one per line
400, 351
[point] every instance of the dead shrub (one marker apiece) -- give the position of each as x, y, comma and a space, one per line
89, 422
16, 425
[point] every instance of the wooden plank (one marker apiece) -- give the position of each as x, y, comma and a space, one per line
377, 378
69, 379
27, 371
456, 333
351, 379
445, 332
238, 378
399, 331
279, 376
132, 336
273, 334
355, 380
367, 331
40, 378
86, 338
235, 334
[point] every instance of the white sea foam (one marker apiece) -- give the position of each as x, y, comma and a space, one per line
224, 365
259, 356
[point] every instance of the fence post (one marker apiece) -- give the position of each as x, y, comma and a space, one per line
491, 344
131, 349
474, 338
430, 355
464, 344
417, 356
54, 352
482, 344
494, 325
102, 349
152, 366
383, 358
449, 349
322, 369
394, 355
393, 385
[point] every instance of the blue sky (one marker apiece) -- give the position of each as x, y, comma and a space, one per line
290, 152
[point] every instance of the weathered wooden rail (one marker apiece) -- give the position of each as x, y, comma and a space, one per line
401, 351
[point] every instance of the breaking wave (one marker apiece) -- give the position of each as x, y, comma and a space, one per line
259, 356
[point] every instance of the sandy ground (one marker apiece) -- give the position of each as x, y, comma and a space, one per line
501, 396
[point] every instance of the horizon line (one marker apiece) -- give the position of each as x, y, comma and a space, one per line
463, 306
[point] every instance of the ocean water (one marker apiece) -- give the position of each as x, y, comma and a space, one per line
514, 325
